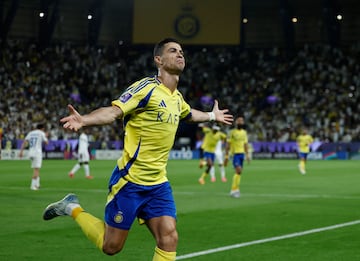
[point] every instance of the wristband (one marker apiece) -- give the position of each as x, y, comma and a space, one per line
211, 116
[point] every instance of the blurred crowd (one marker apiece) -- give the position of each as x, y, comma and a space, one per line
277, 91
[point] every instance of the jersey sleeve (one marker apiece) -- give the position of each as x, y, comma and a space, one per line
134, 97
45, 139
185, 109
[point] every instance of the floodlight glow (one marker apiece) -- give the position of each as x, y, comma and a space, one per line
41, 14
89, 17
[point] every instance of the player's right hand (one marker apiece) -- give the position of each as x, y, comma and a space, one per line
73, 121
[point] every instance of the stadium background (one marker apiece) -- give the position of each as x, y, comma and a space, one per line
281, 215
132, 21
221, 30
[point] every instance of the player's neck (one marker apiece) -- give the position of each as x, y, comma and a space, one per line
169, 80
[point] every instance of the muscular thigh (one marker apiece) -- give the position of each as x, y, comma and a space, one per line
161, 226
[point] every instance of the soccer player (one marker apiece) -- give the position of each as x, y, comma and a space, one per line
237, 145
303, 141
35, 140
212, 136
219, 158
83, 156
151, 109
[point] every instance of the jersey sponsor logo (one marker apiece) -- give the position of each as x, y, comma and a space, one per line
125, 97
167, 117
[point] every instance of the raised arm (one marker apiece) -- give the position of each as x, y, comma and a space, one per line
101, 116
221, 116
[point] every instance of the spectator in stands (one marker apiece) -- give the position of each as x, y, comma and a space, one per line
304, 84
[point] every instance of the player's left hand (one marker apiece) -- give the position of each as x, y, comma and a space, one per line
222, 116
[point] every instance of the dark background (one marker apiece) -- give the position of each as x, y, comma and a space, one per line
269, 21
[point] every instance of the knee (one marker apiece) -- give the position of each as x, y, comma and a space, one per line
111, 250
174, 237
169, 241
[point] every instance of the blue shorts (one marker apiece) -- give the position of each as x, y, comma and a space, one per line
238, 160
209, 155
303, 155
142, 202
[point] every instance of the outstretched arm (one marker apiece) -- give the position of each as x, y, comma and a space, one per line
221, 116
101, 116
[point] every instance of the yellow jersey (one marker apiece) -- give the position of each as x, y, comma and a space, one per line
151, 118
304, 142
237, 140
211, 139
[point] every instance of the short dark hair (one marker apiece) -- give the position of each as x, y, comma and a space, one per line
160, 45
40, 126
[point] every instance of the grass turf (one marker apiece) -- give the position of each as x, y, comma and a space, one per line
275, 200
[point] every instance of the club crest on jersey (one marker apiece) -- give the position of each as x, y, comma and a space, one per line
125, 97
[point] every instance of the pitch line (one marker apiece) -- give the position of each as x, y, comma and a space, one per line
265, 240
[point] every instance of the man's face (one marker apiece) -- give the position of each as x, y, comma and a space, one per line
239, 121
172, 58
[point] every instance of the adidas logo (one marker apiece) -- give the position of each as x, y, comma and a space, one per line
162, 104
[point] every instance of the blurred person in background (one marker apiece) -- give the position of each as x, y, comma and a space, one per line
211, 138
35, 140
237, 146
303, 141
219, 158
83, 156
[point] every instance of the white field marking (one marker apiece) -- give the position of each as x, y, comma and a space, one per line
265, 240
192, 193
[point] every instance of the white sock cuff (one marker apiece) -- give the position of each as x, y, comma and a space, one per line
69, 208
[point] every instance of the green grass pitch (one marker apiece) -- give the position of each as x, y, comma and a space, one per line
276, 202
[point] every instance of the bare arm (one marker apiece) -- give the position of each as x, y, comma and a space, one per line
221, 116
101, 116
227, 150
23, 145
246, 148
